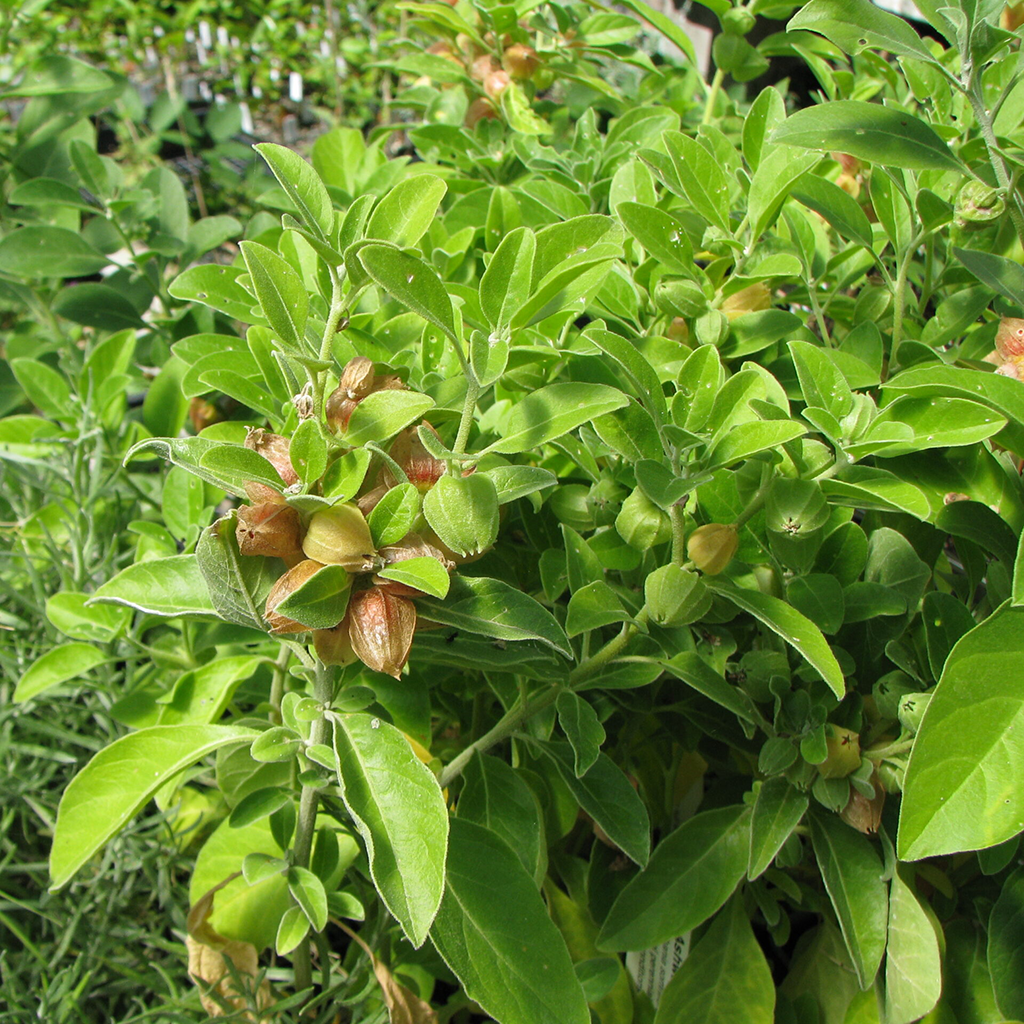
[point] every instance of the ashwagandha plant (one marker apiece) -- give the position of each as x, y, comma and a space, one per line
765, 611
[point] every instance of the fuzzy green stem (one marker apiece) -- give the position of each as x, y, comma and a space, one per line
323, 692
280, 670
716, 88
899, 299
678, 534
468, 409
755, 503
984, 119
337, 311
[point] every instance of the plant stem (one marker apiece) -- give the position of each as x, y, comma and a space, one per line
984, 119
330, 329
277, 684
466, 422
523, 710
323, 691
716, 88
755, 503
678, 534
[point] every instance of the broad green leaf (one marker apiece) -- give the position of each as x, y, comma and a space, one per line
702, 179
46, 388
913, 966
505, 284
858, 25
383, 414
319, 602
690, 875
821, 381
932, 423
962, 787
637, 368
765, 114
853, 877
45, 251
57, 74
75, 616
606, 795
582, 728
780, 168
303, 185
876, 489
493, 608
662, 235
572, 283
280, 293
554, 410
97, 305
593, 606
412, 282
215, 286
404, 214
237, 584
725, 979
778, 810
494, 795
161, 586
394, 515
426, 574
945, 620
1006, 946
227, 466
309, 893
506, 951
839, 208
512, 482
742, 440
57, 665
399, 810
796, 629
868, 131
664, 24
200, 696
120, 780
693, 670
996, 272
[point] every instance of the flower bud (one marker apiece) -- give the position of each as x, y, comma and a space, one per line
274, 448
271, 529
843, 753
333, 646
381, 628
422, 469
737, 21
288, 584
751, 299
339, 535
675, 597
520, 61
711, 547
496, 83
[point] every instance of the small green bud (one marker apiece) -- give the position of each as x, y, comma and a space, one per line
676, 596
843, 753
737, 21
640, 523
463, 512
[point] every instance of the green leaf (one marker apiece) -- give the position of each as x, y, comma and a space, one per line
638, 370
606, 795
662, 235
97, 305
876, 489
46, 388
772, 182
57, 74
871, 132
742, 440
701, 177
765, 113
425, 574
319, 602
292, 930
1006, 946
505, 284
412, 282
725, 979
493, 608
778, 810
932, 423
821, 381
796, 629
383, 414
962, 787
513, 482
996, 272
238, 585
45, 251
215, 286
552, 411
307, 451
853, 877
507, 952
280, 293
227, 466
57, 665
399, 810
693, 670
839, 208
345, 474
858, 25
309, 893
404, 214
200, 696
303, 185
593, 606
72, 614
582, 728
394, 515
494, 795
664, 24
690, 875
161, 586
913, 966
120, 780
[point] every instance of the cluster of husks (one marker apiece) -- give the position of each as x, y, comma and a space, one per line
376, 616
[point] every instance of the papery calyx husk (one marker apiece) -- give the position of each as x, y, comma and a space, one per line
843, 753
752, 299
863, 814
285, 586
270, 528
712, 547
275, 449
381, 627
333, 646
358, 380
421, 468
339, 535
520, 61
412, 545
1009, 352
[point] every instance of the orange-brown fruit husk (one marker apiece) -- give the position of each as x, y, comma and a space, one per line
496, 83
358, 376
274, 448
482, 67
288, 584
863, 814
381, 628
412, 545
271, 529
203, 413
333, 646
1010, 339
479, 110
422, 469
520, 61
1012, 17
